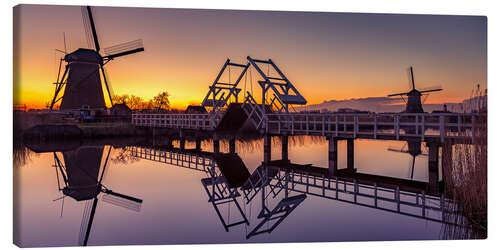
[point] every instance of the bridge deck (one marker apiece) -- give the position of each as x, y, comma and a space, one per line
454, 127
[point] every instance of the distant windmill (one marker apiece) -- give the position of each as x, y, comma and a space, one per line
414, 102
81, 75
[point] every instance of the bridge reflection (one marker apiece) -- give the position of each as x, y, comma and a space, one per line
228, 181
277, 187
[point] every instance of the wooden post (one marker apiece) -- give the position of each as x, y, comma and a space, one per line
332, 155
182, 143
323, 125
350, 154
422, 130
284, 147
216, 146
336, 125
442, 129
198, 144
433, 167
267, 149
446, 159
232, 146
169, 143
396, 126
355, 126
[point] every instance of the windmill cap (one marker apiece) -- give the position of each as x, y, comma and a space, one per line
83, 55
414, 92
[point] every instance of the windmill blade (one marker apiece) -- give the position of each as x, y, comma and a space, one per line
105, 165
58, 50
106, 84
425, 97
412, 167
87, 28
402, 150
405, 93
110, 192
64, 39
59, 70
397, 150
412, 78
431, 90
59, 86
113, 56
94, 32
87, 220
123, 49
126, 203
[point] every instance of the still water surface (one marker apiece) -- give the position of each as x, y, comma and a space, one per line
176, 209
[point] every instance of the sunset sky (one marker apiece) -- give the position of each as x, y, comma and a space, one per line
325, 55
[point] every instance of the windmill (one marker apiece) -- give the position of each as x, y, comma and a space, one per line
82, 73
414, 148
414, 102
82, 182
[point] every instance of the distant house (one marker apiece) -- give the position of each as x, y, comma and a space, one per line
120, 109
195, 109
349, 110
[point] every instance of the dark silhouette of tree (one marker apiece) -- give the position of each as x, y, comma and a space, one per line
161, 100
120, 99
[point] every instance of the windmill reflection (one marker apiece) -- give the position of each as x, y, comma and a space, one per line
80, 177
414, 148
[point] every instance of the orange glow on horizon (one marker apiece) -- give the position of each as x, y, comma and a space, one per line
184, 55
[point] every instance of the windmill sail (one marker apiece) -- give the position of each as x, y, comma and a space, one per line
123, 49
83, 87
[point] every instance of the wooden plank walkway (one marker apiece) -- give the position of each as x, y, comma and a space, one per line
384, 126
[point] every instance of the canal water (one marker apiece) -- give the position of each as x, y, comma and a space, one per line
175, 206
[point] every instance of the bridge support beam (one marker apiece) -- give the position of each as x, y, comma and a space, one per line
232, 146
168, 143
284, 147
433, 167
182, 144
267, 149
198, 145
216, 146
446, 159
350, 154
332, 155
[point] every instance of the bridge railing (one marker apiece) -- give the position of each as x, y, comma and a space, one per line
372, 125
185, 121
394, 200
177, 158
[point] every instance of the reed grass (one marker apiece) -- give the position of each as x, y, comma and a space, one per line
465, 178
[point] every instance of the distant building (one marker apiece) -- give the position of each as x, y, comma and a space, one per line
120, 109
195, 109
349, 110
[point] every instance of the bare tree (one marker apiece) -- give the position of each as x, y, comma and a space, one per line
161, 100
